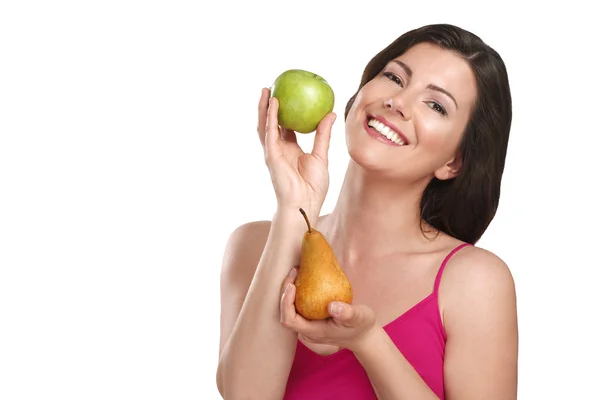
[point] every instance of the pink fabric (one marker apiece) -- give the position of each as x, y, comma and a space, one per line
418, 334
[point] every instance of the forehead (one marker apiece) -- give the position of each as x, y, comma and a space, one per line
439, 66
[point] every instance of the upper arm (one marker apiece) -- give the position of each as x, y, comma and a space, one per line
481, 325
242, 254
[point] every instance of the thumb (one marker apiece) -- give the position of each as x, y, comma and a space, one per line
322, 137
346, 314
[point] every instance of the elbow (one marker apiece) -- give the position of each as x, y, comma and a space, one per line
220, 381
233, 391
225, 388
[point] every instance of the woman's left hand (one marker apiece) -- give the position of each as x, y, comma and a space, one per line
349, 326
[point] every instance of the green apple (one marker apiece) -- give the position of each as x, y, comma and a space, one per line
304, 99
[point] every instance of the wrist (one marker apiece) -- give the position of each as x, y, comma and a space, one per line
291, 215
368, 341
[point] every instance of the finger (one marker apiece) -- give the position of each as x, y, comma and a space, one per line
346, 314
286, 286
272, 134
290, 278
263, 105
323, 137
286, 307
316, 330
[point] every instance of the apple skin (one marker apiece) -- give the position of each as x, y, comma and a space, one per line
304, 98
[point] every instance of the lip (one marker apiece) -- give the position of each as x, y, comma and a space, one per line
392, 127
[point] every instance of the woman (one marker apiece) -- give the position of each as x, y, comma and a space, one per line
433, 316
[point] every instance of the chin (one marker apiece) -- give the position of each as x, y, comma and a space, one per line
366, 158
367, 153
379, 159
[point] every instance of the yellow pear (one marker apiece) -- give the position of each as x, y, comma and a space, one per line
320, 279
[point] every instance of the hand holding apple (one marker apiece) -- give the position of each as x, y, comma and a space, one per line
300, 179
304, 99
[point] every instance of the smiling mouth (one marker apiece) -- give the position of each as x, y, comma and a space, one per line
385, 131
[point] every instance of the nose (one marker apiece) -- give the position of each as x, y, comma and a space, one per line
399, 105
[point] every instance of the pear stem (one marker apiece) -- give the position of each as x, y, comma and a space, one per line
306, 219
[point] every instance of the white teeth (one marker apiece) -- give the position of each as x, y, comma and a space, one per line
385, 131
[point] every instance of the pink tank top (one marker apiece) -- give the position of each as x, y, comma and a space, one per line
418, 334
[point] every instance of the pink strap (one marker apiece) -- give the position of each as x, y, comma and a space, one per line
438, 278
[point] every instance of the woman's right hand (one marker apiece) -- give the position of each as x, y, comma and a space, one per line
300, 179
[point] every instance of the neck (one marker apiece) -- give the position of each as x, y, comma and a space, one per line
375, 217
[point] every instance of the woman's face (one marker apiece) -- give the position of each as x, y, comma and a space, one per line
408, 121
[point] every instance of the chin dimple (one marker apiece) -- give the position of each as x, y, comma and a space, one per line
385, 131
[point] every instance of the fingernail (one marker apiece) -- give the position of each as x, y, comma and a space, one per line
335, 308
287, 288
292, 273
333, 119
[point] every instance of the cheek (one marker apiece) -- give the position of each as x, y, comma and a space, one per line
435, 133
356, 114
357, 104
366, 96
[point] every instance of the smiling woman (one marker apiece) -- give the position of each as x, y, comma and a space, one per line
433, 316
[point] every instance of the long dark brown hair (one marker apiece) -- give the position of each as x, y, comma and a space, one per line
463, 206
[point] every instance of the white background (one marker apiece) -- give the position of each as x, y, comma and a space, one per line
128, 153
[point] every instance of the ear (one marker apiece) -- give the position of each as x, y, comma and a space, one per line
450, 169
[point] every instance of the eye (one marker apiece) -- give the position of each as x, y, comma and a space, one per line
394, 78
438, 108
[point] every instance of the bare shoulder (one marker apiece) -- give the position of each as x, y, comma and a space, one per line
244, 248
476, 279
242, 253
478, 305
477, 269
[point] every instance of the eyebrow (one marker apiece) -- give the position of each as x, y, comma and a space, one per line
409, 72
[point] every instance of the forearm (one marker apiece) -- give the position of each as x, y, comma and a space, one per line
256, 360
391, 375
